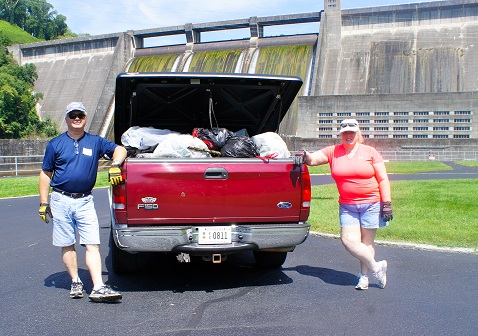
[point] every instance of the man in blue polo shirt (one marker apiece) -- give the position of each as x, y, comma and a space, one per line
70, 167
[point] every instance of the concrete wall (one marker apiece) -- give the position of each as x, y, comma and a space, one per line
79, 69
418, 48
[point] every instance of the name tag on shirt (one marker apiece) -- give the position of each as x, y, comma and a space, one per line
87, 151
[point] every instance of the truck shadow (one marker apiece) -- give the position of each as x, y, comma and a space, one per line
162, 272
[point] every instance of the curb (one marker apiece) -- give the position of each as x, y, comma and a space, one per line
410, 246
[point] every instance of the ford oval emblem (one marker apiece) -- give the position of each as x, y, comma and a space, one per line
284, 205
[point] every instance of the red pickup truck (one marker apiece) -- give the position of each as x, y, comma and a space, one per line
215, 206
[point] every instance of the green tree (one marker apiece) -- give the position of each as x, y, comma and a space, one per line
36, 17
18, 117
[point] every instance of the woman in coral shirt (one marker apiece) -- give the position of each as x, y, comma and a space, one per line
364, 197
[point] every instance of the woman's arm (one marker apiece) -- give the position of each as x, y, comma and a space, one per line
383, 182
315, 159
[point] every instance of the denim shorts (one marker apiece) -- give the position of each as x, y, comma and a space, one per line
71, 216
366, 215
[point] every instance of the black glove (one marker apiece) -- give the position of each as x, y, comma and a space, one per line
300, 158
387, 212
44, 211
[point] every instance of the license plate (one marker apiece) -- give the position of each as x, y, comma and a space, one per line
214, 235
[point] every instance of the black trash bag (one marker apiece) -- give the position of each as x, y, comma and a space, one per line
214, 138
239, 147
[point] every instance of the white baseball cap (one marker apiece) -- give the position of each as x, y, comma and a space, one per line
349, 125
75, 106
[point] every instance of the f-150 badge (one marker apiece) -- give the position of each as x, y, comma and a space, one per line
148, 204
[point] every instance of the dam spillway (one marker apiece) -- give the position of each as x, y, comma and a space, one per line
411, 58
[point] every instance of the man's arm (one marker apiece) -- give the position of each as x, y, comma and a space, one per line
119, 155
44, 185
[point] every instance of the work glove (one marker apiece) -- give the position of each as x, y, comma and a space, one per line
300, 158
387, 212
114, 176
44, 211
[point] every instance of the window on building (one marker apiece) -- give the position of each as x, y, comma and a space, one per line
400, 121
380, 128
437, 128
420, 121
441, 120
420, 128
400, 128
401, 113
462, 128
461, 136
382, 113
325, 136
440, 136
326, 114
400, 136
421, 113
381, 121
326, 129
441, 113
420, 136
380, 136
463, 120
344, 114
462, 112
362, 114
326, 121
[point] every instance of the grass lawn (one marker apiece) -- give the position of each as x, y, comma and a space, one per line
436, 212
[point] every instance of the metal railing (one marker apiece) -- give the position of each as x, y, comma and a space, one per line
26, 165
31, 165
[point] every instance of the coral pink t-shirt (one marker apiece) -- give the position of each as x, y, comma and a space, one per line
355, 177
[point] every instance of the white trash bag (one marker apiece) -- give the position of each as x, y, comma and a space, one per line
181, 146
271, 144
144, 137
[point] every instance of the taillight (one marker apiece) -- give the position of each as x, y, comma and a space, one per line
306, 187
119, 197
306, 194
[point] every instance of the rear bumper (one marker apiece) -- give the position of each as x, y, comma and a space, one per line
272, 237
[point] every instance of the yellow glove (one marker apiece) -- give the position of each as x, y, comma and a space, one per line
44, 211
114, 176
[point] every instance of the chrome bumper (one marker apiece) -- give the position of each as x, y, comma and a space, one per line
272, 237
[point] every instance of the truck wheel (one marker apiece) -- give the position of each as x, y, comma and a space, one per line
121, 261
270, 259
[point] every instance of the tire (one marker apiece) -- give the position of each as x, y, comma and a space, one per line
122, 262
270, 259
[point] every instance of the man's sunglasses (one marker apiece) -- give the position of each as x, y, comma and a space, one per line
73, 116
348, 125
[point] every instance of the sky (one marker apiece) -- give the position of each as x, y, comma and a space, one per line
96, 17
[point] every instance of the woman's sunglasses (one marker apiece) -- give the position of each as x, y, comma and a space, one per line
348, 125
73, 116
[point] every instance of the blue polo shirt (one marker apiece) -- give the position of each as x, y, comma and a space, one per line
75, 163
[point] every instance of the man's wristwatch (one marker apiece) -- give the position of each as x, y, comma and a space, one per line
115, 163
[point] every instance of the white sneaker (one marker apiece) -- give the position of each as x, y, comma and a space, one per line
362, 282
381, 274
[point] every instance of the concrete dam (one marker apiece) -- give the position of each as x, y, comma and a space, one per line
404, 71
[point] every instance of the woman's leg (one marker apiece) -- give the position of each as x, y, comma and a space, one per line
368, 239
351, 237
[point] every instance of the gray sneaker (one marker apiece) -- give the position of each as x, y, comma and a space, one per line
105, 294
381, 274
362, 282
76, 291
